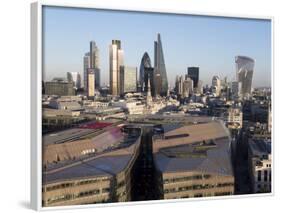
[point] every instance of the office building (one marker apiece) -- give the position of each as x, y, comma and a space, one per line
86, 66
244, 72
116, 57
60, 87
259, 158
216, 85
193, 73
128, 79
193, 161
187, 87
160, 74
145, 64
74, 77
95, 62
91, 82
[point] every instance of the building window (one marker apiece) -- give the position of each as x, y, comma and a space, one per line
259, 175
265, 175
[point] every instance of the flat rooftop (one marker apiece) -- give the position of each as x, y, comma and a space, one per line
197, 148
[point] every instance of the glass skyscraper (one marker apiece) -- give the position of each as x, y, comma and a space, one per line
160, 74
244, 71
145, 63
193, 73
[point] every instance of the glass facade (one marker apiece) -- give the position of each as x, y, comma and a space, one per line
160, 76
145, 64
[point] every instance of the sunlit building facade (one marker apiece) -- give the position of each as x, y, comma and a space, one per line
244, 71
116, 56
74, 77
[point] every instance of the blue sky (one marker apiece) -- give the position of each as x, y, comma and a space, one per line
208, 42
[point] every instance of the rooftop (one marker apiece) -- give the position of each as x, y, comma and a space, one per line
199, 147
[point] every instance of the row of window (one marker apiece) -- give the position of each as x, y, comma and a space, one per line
266, 176
71, 184
206, 195
187, 178
196, 187
80, 195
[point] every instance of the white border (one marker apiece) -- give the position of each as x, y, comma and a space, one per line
36, 96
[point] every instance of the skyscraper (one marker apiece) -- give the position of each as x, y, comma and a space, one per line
160, 75
244, 72
128, 79
86, 62
216, 85
75, 78
145, 64
91, 82
94, 62
193, 73
116, 55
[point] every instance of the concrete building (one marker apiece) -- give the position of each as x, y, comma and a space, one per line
193, 161
60, 87
216, 85
91, 83
116, 60
128, 79
259, 157
234, 118
101, 177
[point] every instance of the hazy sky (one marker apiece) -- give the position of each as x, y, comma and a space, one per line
208, 42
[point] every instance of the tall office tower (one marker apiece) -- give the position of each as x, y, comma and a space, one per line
116, 56
244, 72
74, 77
128, 79
160, 75
216, 85
187, 87
193, 73
86, 62
145, 64
95, 62
91, 82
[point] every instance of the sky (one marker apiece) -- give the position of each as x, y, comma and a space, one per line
211, 43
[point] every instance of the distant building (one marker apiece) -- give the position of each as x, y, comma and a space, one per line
149, 76
74, 77
234, 118
145, 64
235, 89
244, 71
160, 74
128, 79
60, 87
91, 82
216, 85
116, 57
187, 87
86, 65
259, 156
193, 73
95, 62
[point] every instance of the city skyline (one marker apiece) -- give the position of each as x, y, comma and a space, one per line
184, 39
